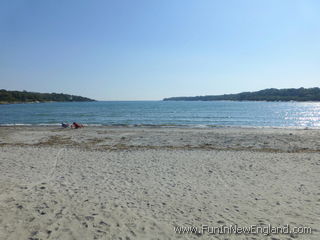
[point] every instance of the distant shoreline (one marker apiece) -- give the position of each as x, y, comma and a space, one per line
268, 95
8, 97
35, 102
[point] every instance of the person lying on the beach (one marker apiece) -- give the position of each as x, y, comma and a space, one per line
64, 125
76, 125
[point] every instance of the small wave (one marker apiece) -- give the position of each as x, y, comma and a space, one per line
15, 124
30, 124
190, 126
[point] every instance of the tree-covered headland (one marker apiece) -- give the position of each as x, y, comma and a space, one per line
271, 94
28, 97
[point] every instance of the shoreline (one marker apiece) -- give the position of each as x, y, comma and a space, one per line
199, 126
35, 102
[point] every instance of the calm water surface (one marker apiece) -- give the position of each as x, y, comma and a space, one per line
195, 114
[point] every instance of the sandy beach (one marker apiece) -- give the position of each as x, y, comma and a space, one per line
146, 182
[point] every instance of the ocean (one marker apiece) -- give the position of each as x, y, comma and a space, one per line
165, 113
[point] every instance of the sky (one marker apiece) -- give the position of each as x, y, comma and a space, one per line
152, 49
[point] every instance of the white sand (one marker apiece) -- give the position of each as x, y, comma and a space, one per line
140, 183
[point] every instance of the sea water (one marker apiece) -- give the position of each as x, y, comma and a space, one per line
165, 113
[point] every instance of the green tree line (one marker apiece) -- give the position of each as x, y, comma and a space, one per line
271, 94
24, 96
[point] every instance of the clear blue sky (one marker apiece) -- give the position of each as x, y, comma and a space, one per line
151, 49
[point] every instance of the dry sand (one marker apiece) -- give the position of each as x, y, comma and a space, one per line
140, 183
